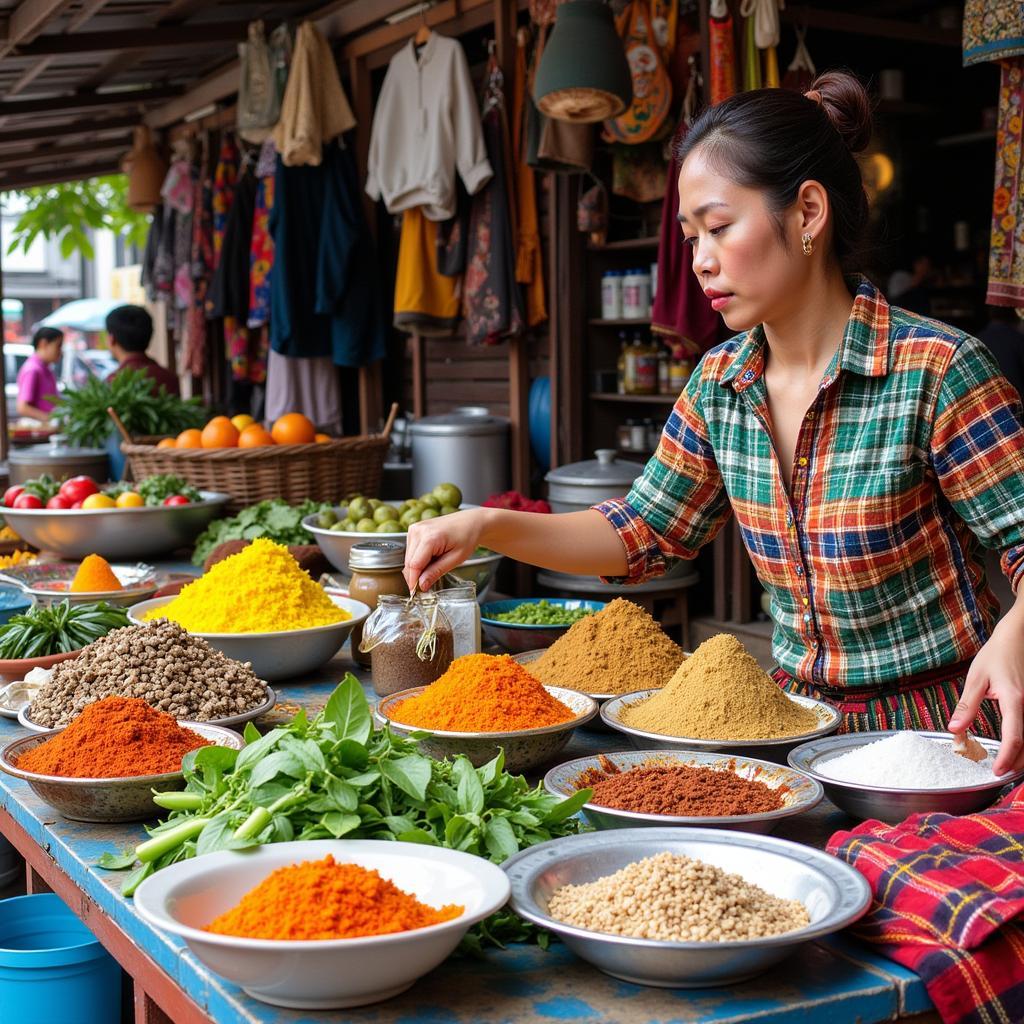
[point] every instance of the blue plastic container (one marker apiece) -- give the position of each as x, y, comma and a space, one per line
51, 966
12, 601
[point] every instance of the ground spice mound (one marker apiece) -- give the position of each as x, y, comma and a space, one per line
115, 738
322, 899
483, 693
676, 899
681, 790
618, 650
93, 576
259, 590
720, 693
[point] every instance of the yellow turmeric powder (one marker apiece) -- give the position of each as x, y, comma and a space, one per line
93, 576
259, 590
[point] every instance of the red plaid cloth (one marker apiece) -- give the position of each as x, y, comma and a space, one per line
947, 894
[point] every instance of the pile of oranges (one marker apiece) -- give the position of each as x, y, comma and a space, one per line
244, 432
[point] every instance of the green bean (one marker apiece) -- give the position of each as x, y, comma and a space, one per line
156, 847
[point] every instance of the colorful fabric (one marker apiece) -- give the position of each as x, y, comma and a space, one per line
948, 892
202, 267
224, 177
993, 30
723, 59
908, 462
261, 255
426, 301
37, 383
1006, 254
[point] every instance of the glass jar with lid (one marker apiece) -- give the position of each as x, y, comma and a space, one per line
458, 601
376, 567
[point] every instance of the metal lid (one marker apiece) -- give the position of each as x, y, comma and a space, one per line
37, 452
459, 424
377, 554
603, 469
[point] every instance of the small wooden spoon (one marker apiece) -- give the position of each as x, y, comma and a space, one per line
967, 746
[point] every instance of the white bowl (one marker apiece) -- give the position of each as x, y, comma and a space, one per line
314, 975
278, 655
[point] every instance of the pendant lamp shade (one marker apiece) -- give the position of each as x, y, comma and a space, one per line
583, 74
146, 170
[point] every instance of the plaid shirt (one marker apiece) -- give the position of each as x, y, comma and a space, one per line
909, 459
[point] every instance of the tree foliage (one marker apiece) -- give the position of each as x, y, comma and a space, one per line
68, 210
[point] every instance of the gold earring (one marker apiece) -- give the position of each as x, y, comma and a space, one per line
808, 244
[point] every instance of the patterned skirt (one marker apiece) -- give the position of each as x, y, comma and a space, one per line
925, 702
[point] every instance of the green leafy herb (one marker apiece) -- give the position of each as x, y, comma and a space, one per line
274, 519
43, 487
60, 628
154, 489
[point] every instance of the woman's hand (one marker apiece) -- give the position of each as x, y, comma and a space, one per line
997, 673
439, 545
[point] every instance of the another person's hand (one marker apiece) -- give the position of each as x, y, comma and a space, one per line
436, 546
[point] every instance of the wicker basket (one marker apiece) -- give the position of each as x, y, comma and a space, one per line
322, 471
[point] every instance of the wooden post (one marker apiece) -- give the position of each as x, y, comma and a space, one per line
419, 375
3, 376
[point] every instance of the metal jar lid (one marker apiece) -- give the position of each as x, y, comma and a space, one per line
377, 554
456, 424
602, 470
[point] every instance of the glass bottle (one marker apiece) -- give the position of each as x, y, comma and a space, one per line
376, 567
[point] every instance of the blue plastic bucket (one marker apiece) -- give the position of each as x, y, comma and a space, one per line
51, 966
12, 601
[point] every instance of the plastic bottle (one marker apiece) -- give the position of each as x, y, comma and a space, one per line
620, 365
646, 366
664, 379
611, 295
632, 307
630, 368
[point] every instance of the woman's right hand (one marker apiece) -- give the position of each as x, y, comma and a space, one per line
439, 545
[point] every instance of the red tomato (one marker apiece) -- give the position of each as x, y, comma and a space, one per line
78, 488
176, 499
58, 501
77, 504
11, 494
27, 501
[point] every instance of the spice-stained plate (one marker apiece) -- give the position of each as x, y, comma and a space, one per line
50, 582
799, 792
776, 750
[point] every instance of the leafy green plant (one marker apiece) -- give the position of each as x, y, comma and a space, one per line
67, 210
154, 489
60, 628
143, 408
275, 519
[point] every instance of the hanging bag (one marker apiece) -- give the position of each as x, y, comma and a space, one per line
652, 89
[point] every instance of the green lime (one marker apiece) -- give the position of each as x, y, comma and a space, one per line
375, 503
447, 510
382, 513
359, 508
327, 519
448, 494
409, 517
388, 526
430, 501
366, 525
429, 513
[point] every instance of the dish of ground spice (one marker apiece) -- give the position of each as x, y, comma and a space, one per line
114, 738
720, 693
680, 790
483, 693
618, 650
322, 899
94, 576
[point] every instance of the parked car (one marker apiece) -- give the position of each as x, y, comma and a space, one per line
76, 368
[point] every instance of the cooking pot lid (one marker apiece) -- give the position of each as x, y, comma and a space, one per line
458, 424
38, 452
604, 469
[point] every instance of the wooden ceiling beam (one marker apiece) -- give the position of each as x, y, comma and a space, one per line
28, 19
160, 38
108, 69
86, 101
71, 173
878, 28
77, 128
86, 14
47, 155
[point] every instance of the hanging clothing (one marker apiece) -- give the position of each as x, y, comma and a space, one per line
224, 177
492, 300
310, 384
1006, 254
992, 31
147, 273
261, 255
751, 57
262, 80
427, 301
426, 126
194, 349
315, 109
722, 53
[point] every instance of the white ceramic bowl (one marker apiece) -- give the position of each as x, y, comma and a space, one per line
315, 975
279, 655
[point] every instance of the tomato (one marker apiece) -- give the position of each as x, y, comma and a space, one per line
11, 494
76, 504
78, 488
27, 501
176, 499
58, 501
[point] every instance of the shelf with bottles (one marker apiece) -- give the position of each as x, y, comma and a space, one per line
647, 368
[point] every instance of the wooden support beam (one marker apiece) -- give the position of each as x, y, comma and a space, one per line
28, 19
212, 89
71, 173
85, 14
860, 25
108, 69
89, 100
46, 155
160, 38
78, 128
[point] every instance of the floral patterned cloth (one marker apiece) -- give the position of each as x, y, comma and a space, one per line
993, 30
1006, 255
261, 255
202, 267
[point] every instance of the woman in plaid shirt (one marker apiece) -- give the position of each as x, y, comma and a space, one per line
869, 455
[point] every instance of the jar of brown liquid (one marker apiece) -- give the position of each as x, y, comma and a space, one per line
376, 567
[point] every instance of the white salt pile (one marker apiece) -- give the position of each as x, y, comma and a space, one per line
908, 760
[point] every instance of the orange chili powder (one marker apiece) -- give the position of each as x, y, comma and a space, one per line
114, 738
321, 899
483, 693
94, 575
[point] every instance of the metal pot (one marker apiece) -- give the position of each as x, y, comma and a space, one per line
579, 485
59, 461
469, 450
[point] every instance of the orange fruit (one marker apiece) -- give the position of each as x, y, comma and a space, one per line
293, 428
220, 432
242, 420
321, 438
167, 442
255, 436
191, 438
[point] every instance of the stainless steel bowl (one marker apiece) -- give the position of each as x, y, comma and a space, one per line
892, 805
49, 583
834, 894
801, 792
768, 750
127, 799
524, 749
116, 533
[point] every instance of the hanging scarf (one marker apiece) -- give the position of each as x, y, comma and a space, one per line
723, 53
1006, 256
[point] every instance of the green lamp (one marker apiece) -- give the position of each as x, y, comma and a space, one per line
583, 74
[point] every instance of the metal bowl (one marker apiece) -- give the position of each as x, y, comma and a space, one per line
127, 799
834, 894
229, 722
769, 750
893, 805
116, 533
524, 749
281, 654
518, 638
49, 583
801, 792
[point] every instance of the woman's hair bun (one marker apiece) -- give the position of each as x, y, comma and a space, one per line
846, 104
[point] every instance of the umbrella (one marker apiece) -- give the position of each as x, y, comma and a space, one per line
82, 314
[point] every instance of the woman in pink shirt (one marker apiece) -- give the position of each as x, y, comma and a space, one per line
37, 383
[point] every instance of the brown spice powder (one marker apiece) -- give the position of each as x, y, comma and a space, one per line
618, 650
721, 693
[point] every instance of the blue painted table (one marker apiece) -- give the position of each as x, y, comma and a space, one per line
837, 981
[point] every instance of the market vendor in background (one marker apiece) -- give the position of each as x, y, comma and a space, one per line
869, 454
130, 329
37, 383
